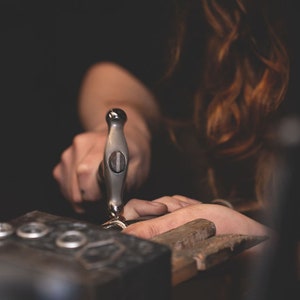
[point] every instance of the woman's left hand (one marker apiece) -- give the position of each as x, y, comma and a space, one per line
177, 210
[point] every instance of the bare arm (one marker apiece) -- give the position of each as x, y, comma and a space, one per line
107, 86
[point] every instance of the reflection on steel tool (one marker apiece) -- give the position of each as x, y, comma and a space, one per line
113, 169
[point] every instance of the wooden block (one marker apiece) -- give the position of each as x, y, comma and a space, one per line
187, 235
183, 268
220, 248
195, 247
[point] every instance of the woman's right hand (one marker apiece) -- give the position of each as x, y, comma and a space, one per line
106, 86
76, 173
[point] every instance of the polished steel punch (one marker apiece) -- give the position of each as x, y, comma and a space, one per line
112, 170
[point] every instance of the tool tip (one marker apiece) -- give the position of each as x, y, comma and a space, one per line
115, 210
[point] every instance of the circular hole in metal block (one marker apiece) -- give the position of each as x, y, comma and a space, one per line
6, 230
101, 253
32, 230
71, 239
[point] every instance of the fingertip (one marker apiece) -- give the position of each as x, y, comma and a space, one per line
158, 204
142, 229
78, 209
157, 208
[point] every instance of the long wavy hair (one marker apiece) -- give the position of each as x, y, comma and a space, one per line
243, 79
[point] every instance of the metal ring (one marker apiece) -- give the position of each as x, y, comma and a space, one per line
32, 230
5, 230
71, 239
222, 202
114, 224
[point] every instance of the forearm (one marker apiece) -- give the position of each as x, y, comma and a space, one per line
107, 86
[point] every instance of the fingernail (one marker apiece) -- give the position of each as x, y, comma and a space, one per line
157, 204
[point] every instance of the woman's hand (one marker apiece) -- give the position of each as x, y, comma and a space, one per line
177, 210
76, 173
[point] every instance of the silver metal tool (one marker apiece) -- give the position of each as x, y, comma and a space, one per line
113, 169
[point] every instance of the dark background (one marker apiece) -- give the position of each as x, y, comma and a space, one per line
45, 50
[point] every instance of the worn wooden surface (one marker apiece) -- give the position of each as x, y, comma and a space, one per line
195, 247
187, 235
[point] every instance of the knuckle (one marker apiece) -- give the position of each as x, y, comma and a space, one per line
78, 140
56, 173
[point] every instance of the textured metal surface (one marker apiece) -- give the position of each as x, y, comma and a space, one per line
105, 264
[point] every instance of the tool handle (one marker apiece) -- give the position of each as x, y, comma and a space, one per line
113, 169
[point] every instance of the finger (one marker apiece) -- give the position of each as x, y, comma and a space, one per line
138, 170
186, 199
136, 208
150, 228
86, 174
176, 202
64, 175
78, 208
74, 193
87, 181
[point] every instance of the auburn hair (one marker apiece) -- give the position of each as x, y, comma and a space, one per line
244, 76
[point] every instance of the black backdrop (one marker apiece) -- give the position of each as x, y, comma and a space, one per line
45, 50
